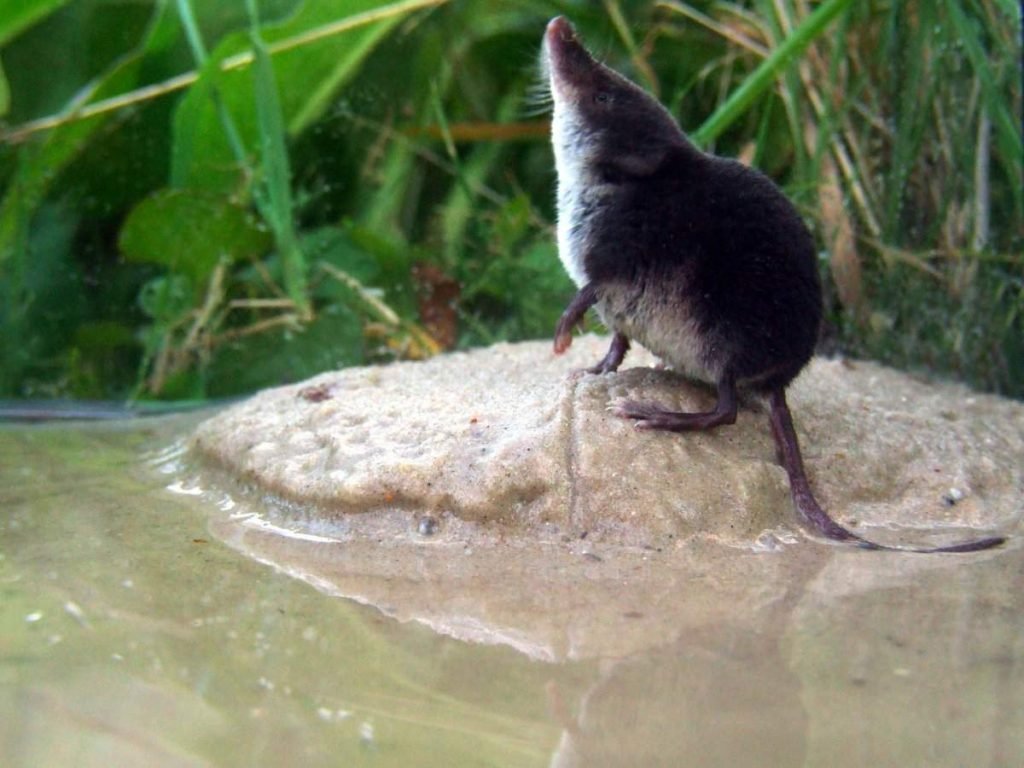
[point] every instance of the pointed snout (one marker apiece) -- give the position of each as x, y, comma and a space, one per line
559, 29
566, 61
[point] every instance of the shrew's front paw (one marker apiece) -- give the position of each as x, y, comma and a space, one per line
563, 337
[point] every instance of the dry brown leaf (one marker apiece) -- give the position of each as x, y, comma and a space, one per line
844, 260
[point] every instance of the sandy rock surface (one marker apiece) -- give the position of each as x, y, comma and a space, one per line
510, 440
491, 496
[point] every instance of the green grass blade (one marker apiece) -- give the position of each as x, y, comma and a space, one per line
764, 76
1008, 129
183, 149
5, 92
913, 116
277, 204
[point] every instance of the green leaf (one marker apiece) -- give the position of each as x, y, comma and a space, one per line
18, 15
104, 334
334, 246
190, 232
38, 166
166, 299
308, 78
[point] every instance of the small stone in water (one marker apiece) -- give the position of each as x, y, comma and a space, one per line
427, 526
952, 496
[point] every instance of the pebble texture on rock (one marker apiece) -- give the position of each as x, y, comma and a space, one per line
510, 438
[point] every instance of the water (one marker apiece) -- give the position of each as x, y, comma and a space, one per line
143, 623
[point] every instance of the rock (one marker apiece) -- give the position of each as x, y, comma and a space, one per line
508, 440
491, 496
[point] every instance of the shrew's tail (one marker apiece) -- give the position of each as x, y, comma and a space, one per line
807, 506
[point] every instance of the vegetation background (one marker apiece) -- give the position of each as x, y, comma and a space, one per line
198, 199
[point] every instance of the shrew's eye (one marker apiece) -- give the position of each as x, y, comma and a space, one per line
602, 98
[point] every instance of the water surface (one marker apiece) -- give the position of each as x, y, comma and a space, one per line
144, 623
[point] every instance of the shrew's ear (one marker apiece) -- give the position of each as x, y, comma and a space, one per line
631, 165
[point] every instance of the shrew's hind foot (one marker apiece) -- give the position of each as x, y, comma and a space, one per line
653, 416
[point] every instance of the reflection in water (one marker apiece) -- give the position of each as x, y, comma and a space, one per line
720, 697
130, 634
923, 670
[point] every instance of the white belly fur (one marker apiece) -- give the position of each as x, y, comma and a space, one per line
667, 331
572, 233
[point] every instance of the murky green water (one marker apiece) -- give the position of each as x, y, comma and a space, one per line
145, 626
